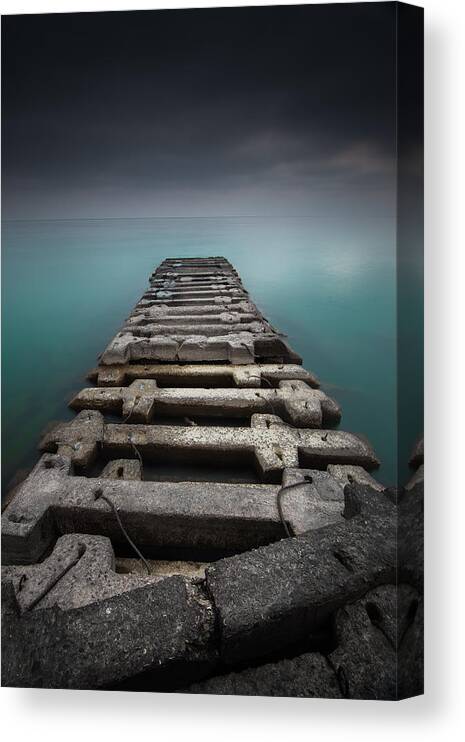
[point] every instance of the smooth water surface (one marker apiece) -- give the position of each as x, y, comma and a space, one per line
68, 286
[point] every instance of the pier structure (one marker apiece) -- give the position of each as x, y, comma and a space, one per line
203, 525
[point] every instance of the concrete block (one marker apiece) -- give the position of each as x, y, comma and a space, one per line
204, 374
217, 286
347, 474
200, 293
79, 439
80, 570
273, 444
152, 316
127, 469
162, 625
181, 517
370, 634
378, 657
306, 676
281, 592
178, 313
224, 302
237, 348
177, 332
295, 401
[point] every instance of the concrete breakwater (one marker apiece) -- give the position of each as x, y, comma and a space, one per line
202, 525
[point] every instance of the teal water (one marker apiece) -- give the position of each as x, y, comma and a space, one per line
68, 285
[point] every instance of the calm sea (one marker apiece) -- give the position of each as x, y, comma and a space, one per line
68, 285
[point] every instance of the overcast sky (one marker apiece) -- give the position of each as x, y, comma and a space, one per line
206, 112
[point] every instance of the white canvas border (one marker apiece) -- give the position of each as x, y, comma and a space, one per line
98, 715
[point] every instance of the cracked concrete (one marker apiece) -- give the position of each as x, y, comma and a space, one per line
370, 633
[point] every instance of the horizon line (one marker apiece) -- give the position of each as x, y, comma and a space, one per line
220, 216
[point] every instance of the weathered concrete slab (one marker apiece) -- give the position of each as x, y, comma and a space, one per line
208, 330
294, 401
371, 633
123, 469
365, 664
191, 516
272, 444
80, 570
162, 274
189, 284
160, 624
169, 312
199, 293
79, 438
237, 348
135, 402
211, 259
306, 676
198, 375
224, 302
181, 286
279, 593
194, 266
348, 474
196, 274
217, 267
177, 275
151, 315
192, 276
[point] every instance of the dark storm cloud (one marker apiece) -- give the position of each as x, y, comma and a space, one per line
207, 111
